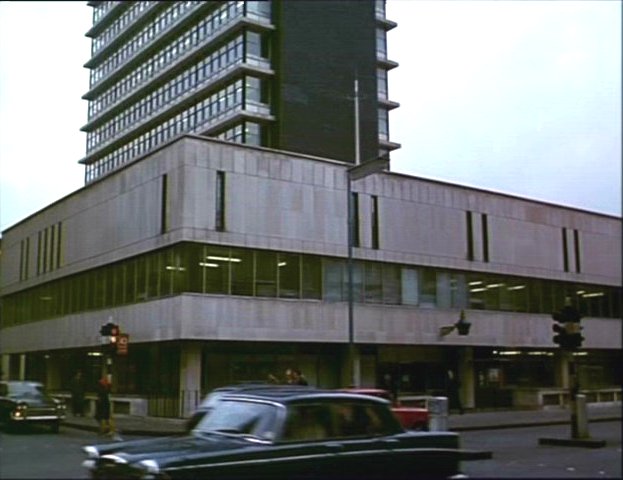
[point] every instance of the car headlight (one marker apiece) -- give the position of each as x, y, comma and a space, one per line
91, 451
150, 468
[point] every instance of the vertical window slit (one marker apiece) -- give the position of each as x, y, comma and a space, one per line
470, 236
220, 201
576, 246
565, 251
164, 205
375, 222
485, 238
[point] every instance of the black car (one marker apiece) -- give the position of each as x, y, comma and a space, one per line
210, 400
23, 402
286, 433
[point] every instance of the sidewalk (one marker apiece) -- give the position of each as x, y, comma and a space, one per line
484, 420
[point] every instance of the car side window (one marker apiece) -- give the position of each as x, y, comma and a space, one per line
358, 420
307, 422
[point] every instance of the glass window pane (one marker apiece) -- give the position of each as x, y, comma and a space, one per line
289, 275
458, 290
391, 284
215, 265
332, 285
373, 286
241, 272
266, 274
410, 286
194, 272
312, 271
428, 287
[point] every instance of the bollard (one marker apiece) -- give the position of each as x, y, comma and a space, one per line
581, 416
438, 414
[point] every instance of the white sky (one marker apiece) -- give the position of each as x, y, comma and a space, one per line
521, 97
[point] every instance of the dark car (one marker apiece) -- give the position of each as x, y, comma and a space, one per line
286, 433
210, 400
23, 402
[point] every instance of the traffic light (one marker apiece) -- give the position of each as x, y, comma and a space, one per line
110, 330
568, 329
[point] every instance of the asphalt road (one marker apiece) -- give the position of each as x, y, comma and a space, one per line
517, 454
39, 454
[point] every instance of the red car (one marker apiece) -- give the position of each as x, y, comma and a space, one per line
411, 418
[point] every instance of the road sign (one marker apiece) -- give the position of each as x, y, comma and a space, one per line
123, 339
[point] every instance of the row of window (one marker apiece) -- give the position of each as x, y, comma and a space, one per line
207, 69
206, 269
163, 21
111, 32
192, 39
210, 110
102, 9
249, 133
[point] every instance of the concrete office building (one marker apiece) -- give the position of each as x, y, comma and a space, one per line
273, 73
224, 258
226, 262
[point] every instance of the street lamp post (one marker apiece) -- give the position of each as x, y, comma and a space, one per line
359, 170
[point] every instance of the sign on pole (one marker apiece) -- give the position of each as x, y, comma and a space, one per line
122, 343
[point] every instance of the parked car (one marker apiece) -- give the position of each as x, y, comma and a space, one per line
23, 402
285, 433
410, 417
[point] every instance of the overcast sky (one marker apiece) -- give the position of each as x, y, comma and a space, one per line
520, 97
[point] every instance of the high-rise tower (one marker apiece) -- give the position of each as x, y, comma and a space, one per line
273, 73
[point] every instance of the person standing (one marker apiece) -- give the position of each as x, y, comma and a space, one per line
454, 395
77, 394
295, 377
102, 407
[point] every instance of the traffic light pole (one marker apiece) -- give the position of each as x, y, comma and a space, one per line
574, 389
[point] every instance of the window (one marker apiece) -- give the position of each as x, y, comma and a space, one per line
241, 272
375, 222
485, 238
355, 240
266, 274
565, 251
410, 286
576, 249
289, 275
470, 236
164, 204
220, 201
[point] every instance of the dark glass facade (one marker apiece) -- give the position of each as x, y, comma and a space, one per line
211, 269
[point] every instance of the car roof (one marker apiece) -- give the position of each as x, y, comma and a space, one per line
297, 393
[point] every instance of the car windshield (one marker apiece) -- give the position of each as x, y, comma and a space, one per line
250, 419
25, 390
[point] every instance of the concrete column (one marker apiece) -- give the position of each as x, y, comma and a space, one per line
467, 392
190, 377
22, 367
6, 366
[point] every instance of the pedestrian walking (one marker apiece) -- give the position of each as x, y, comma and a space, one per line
77, 394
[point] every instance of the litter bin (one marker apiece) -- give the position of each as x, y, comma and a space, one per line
438, 414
